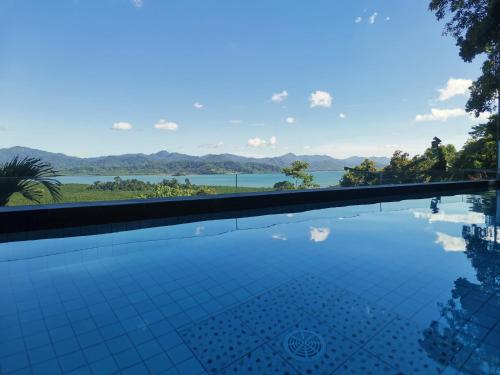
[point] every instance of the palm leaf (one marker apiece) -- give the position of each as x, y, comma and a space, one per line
27, 176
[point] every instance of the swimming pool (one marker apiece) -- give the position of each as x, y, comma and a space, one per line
411, 287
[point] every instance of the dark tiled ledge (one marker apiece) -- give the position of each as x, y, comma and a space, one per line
138, 213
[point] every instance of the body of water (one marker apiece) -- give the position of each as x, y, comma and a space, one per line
323, 178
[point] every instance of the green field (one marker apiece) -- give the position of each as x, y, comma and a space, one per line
81, 193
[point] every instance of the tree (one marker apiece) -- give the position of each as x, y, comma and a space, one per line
298, 171
284, 185
480, 149
476, 28
27, 177
363, 174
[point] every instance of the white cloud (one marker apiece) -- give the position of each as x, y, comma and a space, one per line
198, 105
454, 87
483, 117
122, 126
441, 114
358, 20
166, 125
387, 18
371, 19
307, 147
393, 147
319, 234
235, 121
256, 142
290, 120
137, 3
280, 96
450, 243
259, 142
279, 236
468, 218
343, 116
320, 99
199, 230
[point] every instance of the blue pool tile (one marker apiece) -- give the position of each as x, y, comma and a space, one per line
72, 361
119, 344
179, 353
191, 366
169, 340
96, 352
61, 333
105, 366
39, 339
41, 354
140, 368
85, 370
140, 336
127, 358
149, 349
83, 326
66, 346
11, 347
158, 363
14, 362
160, 328
90, 338
50, 367
58, 320
111, 331
179, 320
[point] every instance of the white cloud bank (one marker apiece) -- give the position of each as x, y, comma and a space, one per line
372, 18
450, 243
279, 97
198, 105
319, 234
441, 114
468, 218
343, 116
259, 142
122, 126
454, 87
166, 125
358, 19
320, 99
290, 120
438, 114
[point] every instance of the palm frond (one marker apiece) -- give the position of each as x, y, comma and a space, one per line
25, 176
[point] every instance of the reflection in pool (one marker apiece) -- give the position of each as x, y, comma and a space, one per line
410, 287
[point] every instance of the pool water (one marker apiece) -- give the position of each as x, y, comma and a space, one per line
410, 287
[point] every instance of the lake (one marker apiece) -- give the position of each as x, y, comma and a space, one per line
323, 178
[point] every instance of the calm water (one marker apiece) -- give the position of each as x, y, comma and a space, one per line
324, 179
410, 287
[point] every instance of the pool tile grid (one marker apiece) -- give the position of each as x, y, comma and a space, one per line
266, 319
364, 351
126, 315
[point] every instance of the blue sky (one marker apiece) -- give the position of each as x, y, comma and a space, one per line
97, 77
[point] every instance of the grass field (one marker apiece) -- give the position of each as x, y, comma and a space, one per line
81, 193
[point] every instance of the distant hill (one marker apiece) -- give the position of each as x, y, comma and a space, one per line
164, 162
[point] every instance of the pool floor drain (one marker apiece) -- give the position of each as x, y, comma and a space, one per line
304, 345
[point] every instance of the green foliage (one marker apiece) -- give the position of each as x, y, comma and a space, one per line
298, 171
284, 185
119, 184
172, 188
437, 163
27, 177
363, 174
479, 152
476, 28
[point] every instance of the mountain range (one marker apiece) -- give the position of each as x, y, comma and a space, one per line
164, 162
